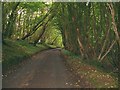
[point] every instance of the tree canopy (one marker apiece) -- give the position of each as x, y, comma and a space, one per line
91, 31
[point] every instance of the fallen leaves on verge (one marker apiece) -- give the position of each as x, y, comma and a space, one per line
94, 76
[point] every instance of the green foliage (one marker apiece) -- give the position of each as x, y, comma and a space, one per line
53, 36
71, 54
34, 6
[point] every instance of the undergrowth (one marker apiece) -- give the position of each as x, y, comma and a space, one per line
92, 70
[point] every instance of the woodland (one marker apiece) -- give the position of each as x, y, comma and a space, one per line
91, 32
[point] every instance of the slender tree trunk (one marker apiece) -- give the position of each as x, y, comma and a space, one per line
82, 50
55, 39
108, 50
106, 38
43, 30
113, 22
39, 24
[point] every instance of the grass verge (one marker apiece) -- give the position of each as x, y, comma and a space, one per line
14, 52
92, 73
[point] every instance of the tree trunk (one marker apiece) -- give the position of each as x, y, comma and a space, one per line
55, 39
39, 24
12, 18
106, 38
43, 30
113, 22
108, 50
